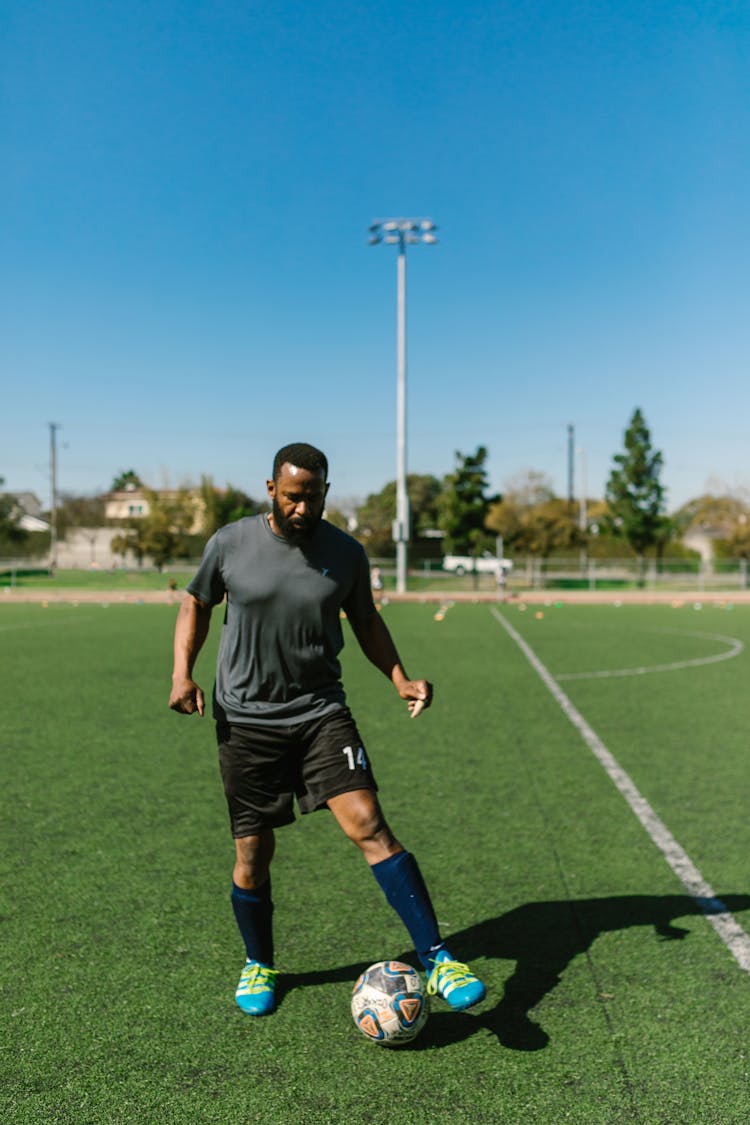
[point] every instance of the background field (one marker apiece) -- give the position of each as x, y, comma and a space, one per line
611, 999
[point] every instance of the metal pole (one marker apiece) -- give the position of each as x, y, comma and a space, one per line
500, 575
53, 428
571, 442
402, 496
401, 232
582, 511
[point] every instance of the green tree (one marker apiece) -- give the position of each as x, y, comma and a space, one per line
507, 516
528, 488
162, 533
531, 519
337, 517
737, 543
83, 515
225, 505
634, 492
717, 514
549, 526
126, 478
375, 517
464, 505
11, 533
74, 512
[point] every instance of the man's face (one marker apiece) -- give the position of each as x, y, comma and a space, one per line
298, 497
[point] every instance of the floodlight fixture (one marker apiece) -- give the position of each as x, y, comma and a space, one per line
402, 231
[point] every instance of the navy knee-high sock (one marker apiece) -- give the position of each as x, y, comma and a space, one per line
254, 913
401, 881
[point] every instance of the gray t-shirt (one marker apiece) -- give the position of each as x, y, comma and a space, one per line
278, 656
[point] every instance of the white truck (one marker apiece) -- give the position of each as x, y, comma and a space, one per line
481, 564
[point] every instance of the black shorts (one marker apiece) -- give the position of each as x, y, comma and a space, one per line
263, 769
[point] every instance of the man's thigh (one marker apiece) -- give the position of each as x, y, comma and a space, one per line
335, 761
257, 769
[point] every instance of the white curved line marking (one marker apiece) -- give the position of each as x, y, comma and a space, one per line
735, 648
714, 910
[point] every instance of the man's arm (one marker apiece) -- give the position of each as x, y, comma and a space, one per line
191, 630
378, 646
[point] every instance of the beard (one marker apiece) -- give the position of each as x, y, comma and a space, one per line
298, 529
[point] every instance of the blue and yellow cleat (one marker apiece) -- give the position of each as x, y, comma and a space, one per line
455, 982
256, 991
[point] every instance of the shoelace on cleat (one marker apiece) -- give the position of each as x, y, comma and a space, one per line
453, 974
256, 978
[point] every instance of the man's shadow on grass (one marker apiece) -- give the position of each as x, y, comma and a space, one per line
542, 938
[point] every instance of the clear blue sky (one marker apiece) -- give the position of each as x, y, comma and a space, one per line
185, 194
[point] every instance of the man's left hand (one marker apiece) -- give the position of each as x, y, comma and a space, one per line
419, 695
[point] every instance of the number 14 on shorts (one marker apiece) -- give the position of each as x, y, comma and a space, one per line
360, 759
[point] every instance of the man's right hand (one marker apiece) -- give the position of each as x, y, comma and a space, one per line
186, 697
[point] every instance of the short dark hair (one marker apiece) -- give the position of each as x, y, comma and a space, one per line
302, 455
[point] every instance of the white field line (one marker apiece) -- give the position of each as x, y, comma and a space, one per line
735, 648
725, 924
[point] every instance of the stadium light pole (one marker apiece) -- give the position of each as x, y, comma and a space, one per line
401, 233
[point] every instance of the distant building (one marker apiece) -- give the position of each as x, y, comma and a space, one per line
28, 511
33, 523
29, 503
133, 502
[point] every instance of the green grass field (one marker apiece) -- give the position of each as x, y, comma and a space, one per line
108, 581
611, 997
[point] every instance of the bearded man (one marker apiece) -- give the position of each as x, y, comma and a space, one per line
284, 730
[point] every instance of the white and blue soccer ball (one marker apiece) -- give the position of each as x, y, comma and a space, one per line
390, 1004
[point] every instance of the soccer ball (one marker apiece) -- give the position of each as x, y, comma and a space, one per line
389, 1003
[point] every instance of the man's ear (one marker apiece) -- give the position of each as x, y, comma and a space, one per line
271, 488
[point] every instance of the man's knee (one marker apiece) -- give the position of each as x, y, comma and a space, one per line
361, 818
253, 855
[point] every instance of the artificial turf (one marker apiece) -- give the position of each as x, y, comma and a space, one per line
611, 998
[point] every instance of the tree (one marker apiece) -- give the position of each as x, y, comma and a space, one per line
531, 519
162, 533
11, 531
375, 517
549, 526
710, 513
83, 515
223, 506
634, 492
737, 544
464, 504
79, 512
338, 518
528, 488
127, 478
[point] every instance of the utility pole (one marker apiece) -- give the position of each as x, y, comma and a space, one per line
53, 428
582, 507
583, 520
571, 448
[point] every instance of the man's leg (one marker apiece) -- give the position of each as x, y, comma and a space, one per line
253, 910
396, 870
258, 794
251, 894
397, 873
